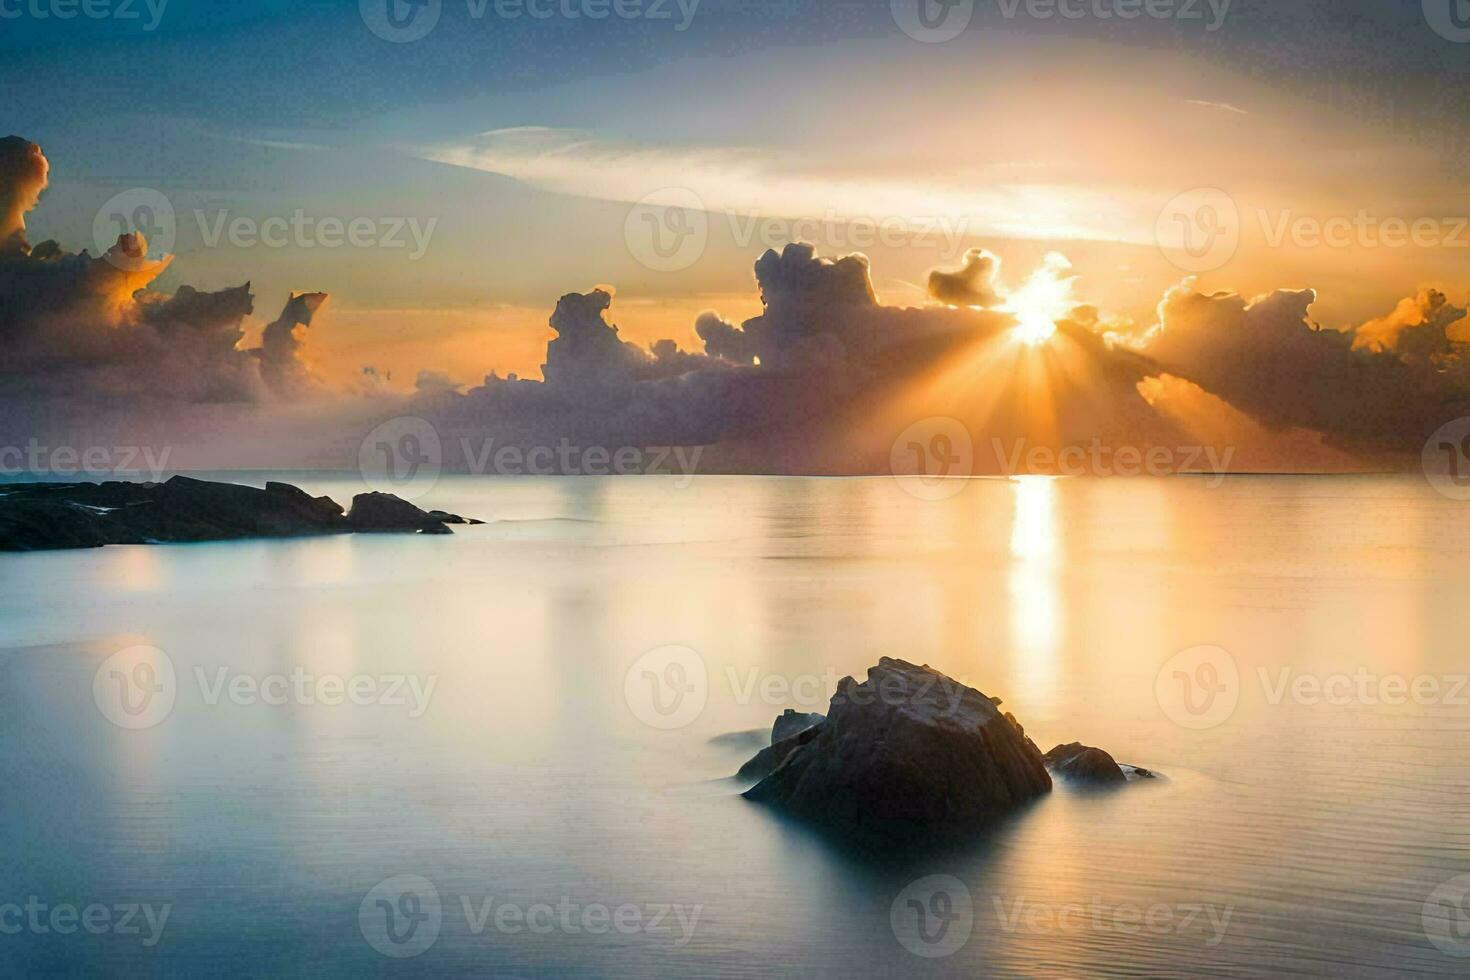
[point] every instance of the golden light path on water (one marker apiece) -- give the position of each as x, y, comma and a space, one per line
1035, 598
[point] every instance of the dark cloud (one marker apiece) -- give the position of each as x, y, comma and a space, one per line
1372, 390
973, 284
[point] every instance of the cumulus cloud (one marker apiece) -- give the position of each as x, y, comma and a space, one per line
973, 284
822, 380
1269, 358
23, 174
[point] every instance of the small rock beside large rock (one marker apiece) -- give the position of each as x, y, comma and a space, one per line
1084, 764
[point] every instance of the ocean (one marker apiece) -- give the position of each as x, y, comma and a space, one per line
509, 751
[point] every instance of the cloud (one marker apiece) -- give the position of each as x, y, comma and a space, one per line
87, 339
974, 284
23, 174
822, 380
1366, 390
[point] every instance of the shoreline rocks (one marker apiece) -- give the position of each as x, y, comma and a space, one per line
49, 516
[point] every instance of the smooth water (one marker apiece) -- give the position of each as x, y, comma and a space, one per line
564, 834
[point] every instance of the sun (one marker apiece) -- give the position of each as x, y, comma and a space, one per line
1044, 298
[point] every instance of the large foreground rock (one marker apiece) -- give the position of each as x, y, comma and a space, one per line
908, 754
35, 516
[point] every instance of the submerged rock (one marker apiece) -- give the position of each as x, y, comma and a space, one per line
907, 753
1084, 764
768, 758
36, 516
791, 722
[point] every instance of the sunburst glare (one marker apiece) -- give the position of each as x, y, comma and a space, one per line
1043, 299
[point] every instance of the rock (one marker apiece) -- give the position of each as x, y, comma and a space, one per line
792, 721
35, 516
907, 755
1084, 764
385, 512
767, 759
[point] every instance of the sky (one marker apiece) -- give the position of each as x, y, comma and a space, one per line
1299, 164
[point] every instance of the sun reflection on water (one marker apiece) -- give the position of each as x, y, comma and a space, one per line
1036, 606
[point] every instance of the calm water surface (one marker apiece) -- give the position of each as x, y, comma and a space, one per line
1295, 834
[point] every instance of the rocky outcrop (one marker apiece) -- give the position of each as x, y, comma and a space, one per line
908, 753
385, 512
36, 516
1084, 764
1089, 766
792, 722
